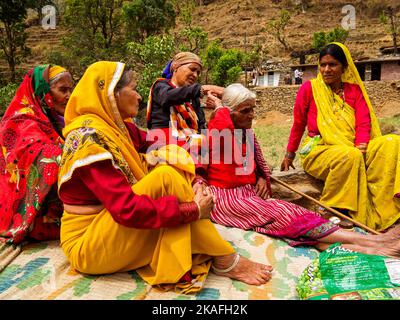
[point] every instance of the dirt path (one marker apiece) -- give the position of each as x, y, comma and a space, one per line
275, 118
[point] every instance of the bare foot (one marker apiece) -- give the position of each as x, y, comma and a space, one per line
390, 248
246, 271
393, 233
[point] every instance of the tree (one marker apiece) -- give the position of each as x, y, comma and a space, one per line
12, 33
148, 17
220, 65
6, 95
277, 27
96, 22
321, 39
210, 56
186, 8
227, 68
96, 33
37, 5
149, 58
389, 17
256, 57
193, 39
190, 38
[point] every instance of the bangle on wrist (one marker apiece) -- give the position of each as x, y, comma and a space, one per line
200, 180
290, 155
198, 207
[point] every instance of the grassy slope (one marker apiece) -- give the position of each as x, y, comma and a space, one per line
273, 139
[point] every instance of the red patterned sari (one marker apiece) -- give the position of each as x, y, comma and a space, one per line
29, 162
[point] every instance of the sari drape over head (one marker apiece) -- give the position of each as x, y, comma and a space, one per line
29, 160
366, 187
172, 258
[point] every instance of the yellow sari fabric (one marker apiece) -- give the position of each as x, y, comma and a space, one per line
366, 187
95, 243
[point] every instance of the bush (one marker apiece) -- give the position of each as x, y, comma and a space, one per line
6, 95
227, 68
149, 58
321, 39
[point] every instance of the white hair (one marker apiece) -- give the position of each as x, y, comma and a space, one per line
235, 94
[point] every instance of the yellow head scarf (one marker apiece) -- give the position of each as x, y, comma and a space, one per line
94, 128
54, 71
340, 130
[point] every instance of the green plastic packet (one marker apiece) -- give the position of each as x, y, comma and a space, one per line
310, 143
341, 274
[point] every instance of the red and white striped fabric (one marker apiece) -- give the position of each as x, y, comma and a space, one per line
262, 167
242, 208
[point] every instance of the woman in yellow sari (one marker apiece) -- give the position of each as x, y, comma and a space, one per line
124, 210
344, 146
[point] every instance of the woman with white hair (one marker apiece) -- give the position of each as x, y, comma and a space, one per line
239, 179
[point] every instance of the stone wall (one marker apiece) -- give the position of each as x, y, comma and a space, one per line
282, 98
390, 71
275, 98
385, 97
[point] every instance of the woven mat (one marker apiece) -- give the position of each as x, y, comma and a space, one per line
41, 271
7, 254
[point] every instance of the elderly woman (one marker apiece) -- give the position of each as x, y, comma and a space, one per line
344, 146
31, 142
146, 217
174, 102
238, 177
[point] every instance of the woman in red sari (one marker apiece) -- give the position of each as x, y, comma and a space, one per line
31, 142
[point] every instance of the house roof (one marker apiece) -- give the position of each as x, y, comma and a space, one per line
302, 65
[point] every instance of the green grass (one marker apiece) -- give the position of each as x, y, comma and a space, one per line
388, 124
274, 138
6, 94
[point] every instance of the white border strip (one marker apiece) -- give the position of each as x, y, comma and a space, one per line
116, 77
83, 162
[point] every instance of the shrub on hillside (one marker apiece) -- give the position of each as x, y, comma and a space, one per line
321, 39
227, 68
6, 95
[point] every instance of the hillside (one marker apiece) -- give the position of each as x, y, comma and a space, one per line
237, 21
241, 24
